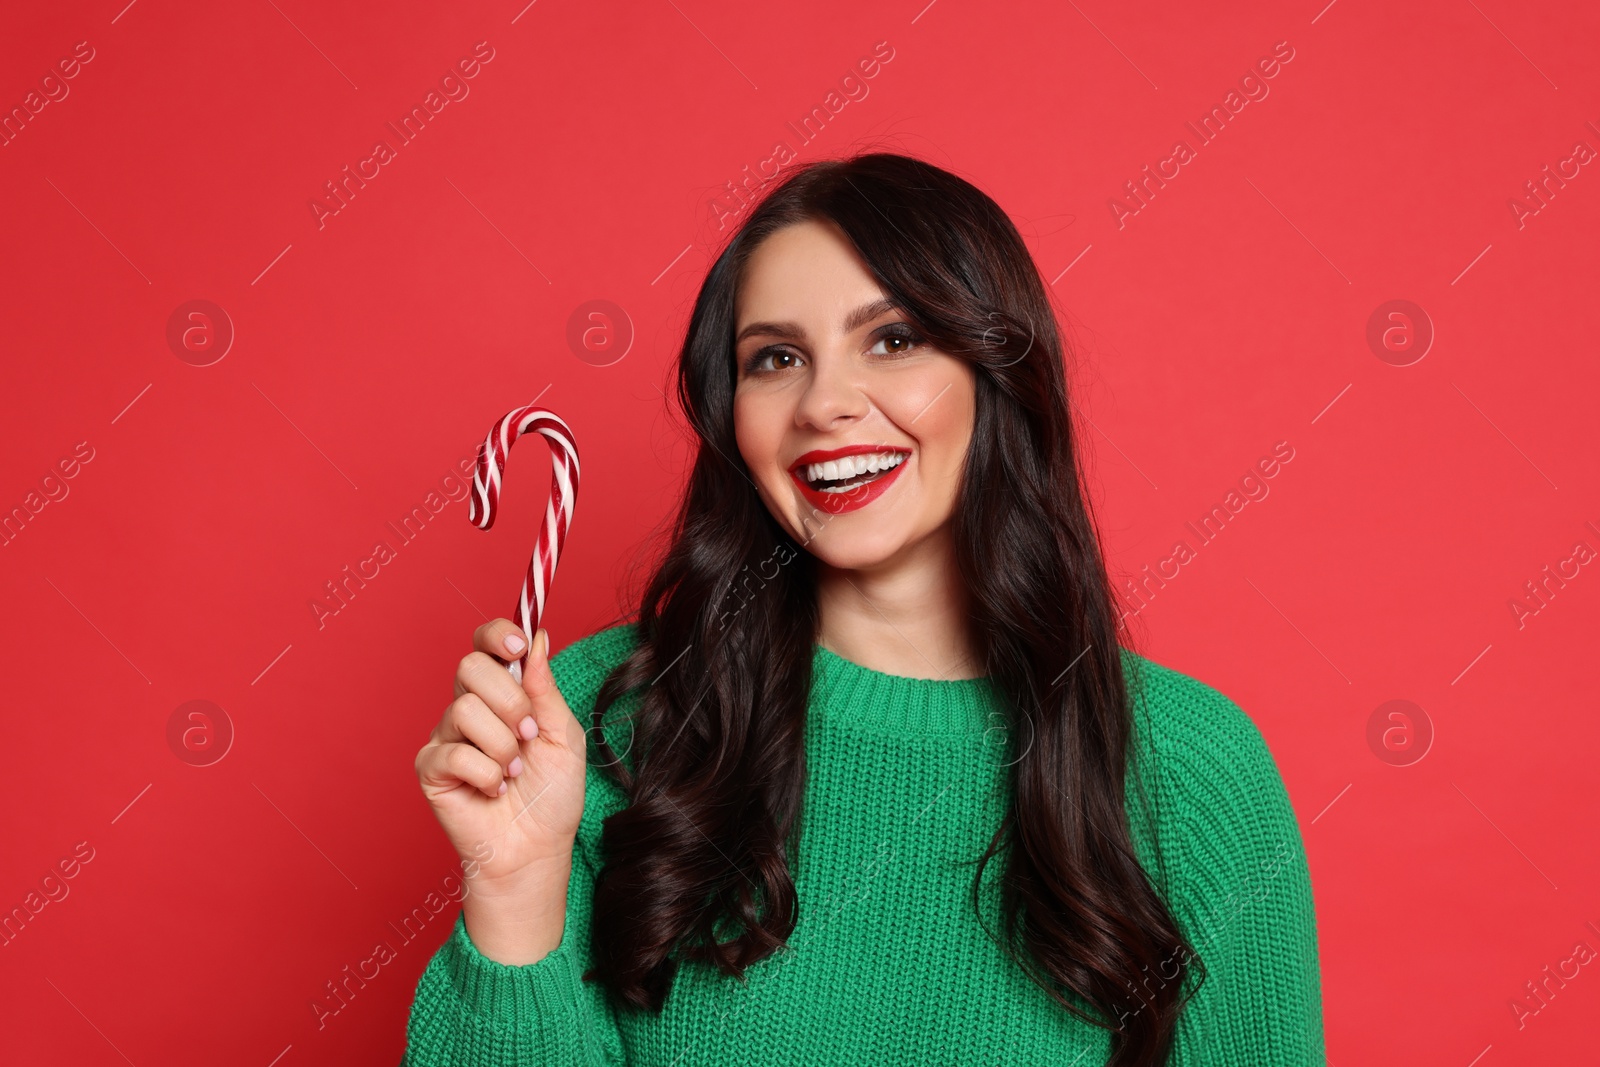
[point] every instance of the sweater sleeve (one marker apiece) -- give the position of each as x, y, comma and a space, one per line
471, 1011
1242, 893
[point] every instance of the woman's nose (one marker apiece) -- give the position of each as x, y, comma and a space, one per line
831, 393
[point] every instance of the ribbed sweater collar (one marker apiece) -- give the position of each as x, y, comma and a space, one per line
860, 697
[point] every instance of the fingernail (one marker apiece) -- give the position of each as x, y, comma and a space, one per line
528, 728
515, 768
544, 644
502, 791
514, 644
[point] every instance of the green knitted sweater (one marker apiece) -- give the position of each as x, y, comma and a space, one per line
888, 964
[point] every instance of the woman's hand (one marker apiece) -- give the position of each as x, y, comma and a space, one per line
504, 769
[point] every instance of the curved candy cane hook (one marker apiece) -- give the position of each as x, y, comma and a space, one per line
486, 483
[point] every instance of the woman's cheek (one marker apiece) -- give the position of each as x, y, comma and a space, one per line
746, 436
943, 422
936, 411
771, 480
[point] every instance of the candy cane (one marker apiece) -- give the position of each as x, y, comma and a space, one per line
557, 514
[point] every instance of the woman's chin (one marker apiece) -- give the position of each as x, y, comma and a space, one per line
840, 550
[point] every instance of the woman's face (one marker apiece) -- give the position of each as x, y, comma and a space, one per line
824, 366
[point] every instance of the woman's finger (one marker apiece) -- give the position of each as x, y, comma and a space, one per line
488, 678
469, 719
500, 637
549, 711
443, 766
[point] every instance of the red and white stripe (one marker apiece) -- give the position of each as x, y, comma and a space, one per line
486, 483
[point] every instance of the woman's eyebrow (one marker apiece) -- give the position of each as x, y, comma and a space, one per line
791, 332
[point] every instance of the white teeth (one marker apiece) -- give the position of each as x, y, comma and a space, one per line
853, 466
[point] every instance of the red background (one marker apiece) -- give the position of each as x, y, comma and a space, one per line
1228, 314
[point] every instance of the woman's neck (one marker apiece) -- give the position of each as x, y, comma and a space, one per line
908, 616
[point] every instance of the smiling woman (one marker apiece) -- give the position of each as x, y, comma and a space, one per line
823, 350
909, 801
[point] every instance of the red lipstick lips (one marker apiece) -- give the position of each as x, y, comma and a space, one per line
851, 499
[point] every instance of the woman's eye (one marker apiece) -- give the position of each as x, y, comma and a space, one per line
756, 364
894, 344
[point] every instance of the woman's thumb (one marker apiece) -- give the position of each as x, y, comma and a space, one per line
536, 676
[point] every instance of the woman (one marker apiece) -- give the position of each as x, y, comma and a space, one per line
870, 779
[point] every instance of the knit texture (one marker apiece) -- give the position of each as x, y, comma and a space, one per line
888, 964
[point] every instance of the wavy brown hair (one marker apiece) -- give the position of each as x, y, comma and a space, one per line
697, 865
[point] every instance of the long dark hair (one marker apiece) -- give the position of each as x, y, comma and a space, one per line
697, 865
